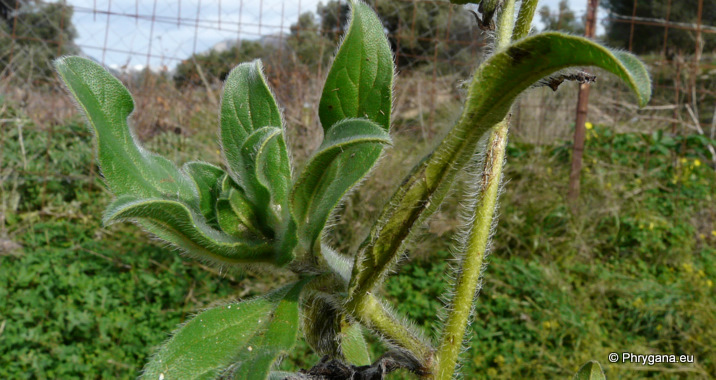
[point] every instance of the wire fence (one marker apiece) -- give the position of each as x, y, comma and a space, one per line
173, 54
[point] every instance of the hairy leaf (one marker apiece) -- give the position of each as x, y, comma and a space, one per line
247, 107
266, 162
251, 333
236, 215
227, 184
339, 264
206, 178
228, 221
353, 345
127, 168
176, 223
590, 371
349, 150
497, 82
360, 81
277, 339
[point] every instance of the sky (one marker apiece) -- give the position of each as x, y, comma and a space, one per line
134, 42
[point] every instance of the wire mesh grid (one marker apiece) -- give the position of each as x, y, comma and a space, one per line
173, 54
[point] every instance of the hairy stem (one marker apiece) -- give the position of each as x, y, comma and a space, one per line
418, 197
426, 187
478, 235
475, 249
371, 312
505, 24
524, 19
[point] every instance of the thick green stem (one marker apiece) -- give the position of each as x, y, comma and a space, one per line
505, 24
373, 314
478, 235
426, 187
524, 19
475, 248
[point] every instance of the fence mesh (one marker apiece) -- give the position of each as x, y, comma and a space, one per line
173, 54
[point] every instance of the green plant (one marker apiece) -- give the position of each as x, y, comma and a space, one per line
255, 212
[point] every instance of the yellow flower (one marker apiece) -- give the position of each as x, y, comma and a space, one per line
651, 226
500, 360
548, 325
697, 162
688, 268
638, 302
684, 160
702, 236
701, 273
713, 232
709, 283
588, 125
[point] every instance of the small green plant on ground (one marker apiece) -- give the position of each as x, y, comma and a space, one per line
255, 212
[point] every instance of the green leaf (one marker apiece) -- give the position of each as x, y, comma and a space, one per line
590, 371
236, 215
206, 178
339, 264
353, 345
228, 221
227, 184
287, 240
127, 168
247, 106
348, 152
178, 224
278, 338
360, 81
268, 173
250, 333
496, 84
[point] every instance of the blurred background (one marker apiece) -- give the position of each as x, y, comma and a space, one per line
627, 266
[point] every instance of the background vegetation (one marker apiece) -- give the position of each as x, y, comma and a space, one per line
634, 271
52, 33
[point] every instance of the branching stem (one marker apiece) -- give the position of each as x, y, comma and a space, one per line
524, 19
505, 24
371, 312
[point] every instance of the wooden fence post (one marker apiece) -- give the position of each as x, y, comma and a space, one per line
582, 102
